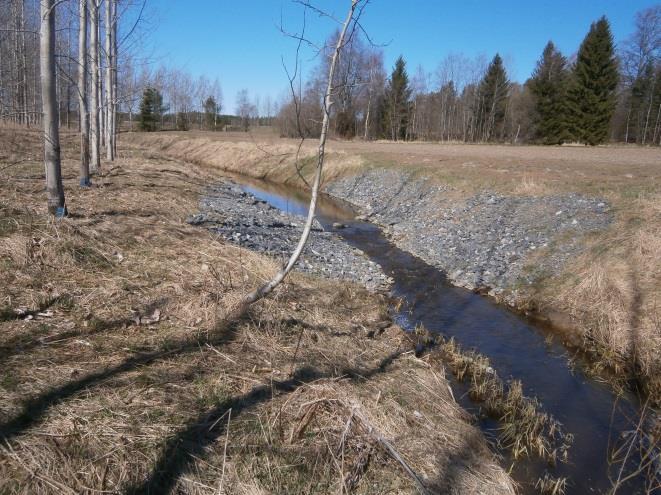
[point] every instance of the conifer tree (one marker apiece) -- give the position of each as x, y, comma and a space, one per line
151, 108
397, 102
493, 92
549, 88
592, 98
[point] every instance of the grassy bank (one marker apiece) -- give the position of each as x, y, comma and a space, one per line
116, 375
609, 296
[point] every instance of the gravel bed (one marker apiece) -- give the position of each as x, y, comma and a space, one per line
243, 219
487, 242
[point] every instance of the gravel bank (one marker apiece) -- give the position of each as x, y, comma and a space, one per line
487, 242
243, 219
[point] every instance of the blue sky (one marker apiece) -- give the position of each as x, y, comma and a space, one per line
240, 41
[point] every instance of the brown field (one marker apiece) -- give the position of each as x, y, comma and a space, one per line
610, 295
116, 375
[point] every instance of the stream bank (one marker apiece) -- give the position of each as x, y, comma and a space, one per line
490, 243
516, 348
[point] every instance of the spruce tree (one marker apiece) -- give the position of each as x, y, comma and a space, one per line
592, 99
493, 92
397, 102
151, 108
549, 88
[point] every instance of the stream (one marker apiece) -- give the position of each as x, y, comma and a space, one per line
517, 348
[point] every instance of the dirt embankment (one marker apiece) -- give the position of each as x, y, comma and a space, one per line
116, 376
571, 232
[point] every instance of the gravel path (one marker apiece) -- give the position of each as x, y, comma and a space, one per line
241, 218
487, 242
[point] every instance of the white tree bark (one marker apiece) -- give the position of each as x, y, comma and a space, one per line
266, 288
109, 131
52, 165
95, 131
115, 63
83, 110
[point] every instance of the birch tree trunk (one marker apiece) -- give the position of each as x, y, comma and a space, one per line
108, 84
54, 189
95, 138
24, 69
83, 110
266, 288
114, 78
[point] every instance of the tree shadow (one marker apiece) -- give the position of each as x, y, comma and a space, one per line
35, 408
8, 314
20, 344
185, 447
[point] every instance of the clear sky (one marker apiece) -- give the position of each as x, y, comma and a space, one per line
240, 42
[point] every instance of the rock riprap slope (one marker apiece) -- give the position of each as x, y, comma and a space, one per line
241, 218
488, 241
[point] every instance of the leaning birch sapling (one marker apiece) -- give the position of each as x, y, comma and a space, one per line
268, 287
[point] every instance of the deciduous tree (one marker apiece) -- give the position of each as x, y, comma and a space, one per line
83, 110
52, 164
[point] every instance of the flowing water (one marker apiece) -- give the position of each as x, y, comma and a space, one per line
517, 348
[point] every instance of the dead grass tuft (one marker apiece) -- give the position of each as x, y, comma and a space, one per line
526, 430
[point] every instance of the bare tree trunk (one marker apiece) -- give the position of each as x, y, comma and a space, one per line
657, 126
83, 111
54, 189
367, 116
115, 62
109, 97
649, 111
24, 69
95, 139
16, 69
266, 288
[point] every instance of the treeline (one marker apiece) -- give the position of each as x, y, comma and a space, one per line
601, 94
172, 99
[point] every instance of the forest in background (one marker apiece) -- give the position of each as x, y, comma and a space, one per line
606, 91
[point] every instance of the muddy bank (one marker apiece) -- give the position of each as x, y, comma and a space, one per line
487, 242
241, 218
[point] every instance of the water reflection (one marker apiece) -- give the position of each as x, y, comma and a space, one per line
517, 348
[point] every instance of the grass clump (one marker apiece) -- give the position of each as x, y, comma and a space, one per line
526, 430
549, 485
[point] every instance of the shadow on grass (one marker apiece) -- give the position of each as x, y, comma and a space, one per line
19, 345
8, 314
34, 409
185, 447
23, 344
180, 451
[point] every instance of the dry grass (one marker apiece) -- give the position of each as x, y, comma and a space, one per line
119, 375
611, 292
525, 429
